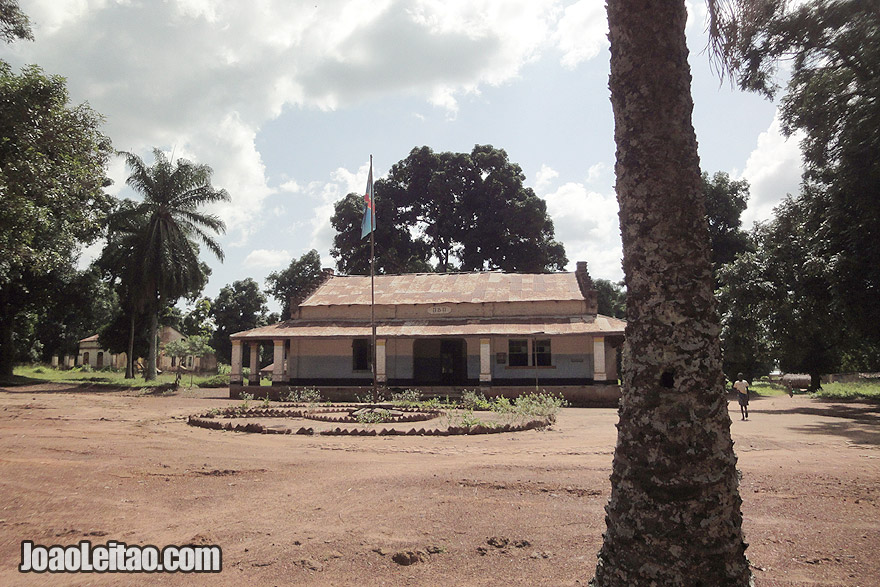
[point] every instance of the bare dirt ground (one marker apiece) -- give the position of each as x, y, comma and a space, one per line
519, 508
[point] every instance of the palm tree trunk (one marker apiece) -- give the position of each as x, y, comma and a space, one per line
674, 514
153, 353
129, 362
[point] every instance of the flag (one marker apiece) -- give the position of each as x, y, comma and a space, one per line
369, 223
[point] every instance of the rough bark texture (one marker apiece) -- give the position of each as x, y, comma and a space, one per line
153, 353
674, 514
7, 353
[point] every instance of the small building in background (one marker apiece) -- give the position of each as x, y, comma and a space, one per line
90, 353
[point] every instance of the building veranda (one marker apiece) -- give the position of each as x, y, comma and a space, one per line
504, 333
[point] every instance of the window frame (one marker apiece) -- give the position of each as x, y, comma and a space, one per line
515, 356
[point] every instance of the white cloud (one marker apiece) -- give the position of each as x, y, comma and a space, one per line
342, 182
270, 259
290, 186
596, 172
544, 177
586, 223
202, 77
773, 170
582, 32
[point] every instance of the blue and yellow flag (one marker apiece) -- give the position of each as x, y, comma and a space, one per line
369, 223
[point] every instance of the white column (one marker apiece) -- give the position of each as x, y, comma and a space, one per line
278, 363
599, 359
254, 379
381, 375
235, 368
485, 361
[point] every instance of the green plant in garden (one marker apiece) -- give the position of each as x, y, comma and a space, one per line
373, 417
471, 399
430, 404
467, 419
304, 395
408, 398
246, 401
539, 405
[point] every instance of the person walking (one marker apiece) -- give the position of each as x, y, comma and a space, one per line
742, 395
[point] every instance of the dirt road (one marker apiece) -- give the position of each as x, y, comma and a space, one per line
521, 508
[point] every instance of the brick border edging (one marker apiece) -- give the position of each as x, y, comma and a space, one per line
207, 421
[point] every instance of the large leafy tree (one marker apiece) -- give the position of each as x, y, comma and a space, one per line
52, 173
831, 97
296, 282
450, 211
780, 299
611, 298
726, 200
14, 24
674, 515
239, 306
167, 229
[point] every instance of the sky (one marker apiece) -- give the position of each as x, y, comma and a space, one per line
287, 100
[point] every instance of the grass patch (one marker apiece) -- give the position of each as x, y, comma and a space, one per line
768, 389
865, 390
37, 374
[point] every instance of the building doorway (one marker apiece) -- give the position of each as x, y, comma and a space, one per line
440, 361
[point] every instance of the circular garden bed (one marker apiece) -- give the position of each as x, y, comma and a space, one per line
358, 420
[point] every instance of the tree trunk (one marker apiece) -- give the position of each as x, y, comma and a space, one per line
129, 360
674, 514
7, 351
153, 353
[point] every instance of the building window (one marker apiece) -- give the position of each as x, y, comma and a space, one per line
173, 361
518, 352
361, 354
541, 353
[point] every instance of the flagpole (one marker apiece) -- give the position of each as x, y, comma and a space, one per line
373, 283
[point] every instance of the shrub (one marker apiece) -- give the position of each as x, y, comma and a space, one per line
215, 381
407, 398
373, 417
472, 399
540, 405
304, 395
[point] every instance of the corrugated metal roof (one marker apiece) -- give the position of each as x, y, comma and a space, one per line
439, 288
601, 325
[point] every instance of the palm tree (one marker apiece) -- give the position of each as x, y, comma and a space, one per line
170, 229
674, 515
122, 260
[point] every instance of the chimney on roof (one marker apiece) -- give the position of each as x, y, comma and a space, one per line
585, 283
327, 271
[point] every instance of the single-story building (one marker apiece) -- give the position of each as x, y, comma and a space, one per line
505, 333
91, 353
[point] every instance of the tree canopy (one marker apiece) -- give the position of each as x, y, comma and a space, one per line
450, 211
296, 282
162, 234
52, 161
726, 200
831, 97
239, 306
14, 24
